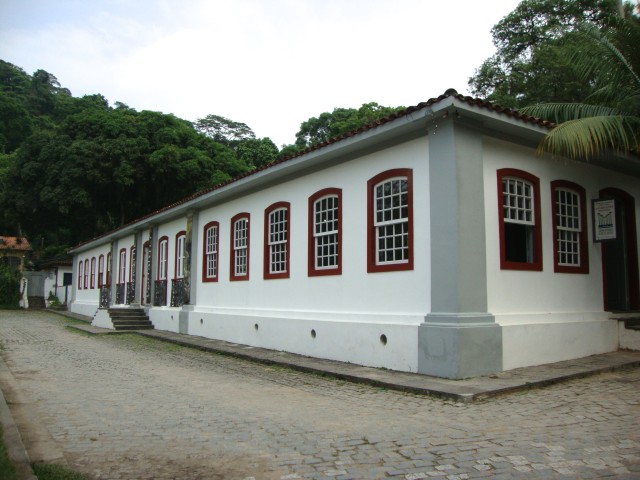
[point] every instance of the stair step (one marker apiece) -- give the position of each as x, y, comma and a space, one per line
130, 319
133, 327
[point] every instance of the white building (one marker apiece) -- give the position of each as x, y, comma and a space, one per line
435, 241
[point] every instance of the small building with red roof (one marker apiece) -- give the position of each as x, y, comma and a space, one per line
13, 250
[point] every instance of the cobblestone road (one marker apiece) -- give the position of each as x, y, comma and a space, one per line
127, 407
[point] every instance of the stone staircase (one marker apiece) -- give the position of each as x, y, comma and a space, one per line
36, 303
130, 319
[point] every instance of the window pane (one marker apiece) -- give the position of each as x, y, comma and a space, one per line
391, 219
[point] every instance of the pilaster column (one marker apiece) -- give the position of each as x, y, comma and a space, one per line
458, 338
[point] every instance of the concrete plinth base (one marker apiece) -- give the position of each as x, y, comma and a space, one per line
459, 346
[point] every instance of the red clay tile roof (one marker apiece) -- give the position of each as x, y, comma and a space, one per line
449, 93
14, 243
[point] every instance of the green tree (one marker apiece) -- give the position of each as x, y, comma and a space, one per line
257, 152
530, 65
9, 285
102, 167
15, 122
609, 118
223, 130
342, 120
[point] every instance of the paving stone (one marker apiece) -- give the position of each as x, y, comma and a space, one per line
127, 407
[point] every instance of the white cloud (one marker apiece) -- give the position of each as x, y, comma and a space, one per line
270, 64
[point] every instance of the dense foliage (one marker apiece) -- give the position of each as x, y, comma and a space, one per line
9, 286
530, 65
73, 168
609, 117
342, 120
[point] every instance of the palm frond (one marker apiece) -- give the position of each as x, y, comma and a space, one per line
562, 112
586, 137
601, 54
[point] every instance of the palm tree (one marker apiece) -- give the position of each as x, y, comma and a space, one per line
609, 118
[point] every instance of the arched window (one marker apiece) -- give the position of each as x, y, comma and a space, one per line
325, 232
163, 252
122, 267
181, 239
100, 271
276, 240
211, 245
568, 201
93, 272
80, 274
519, 220
108, 283
390, 221
239, 247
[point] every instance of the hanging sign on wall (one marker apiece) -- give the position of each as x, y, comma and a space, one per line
604, 220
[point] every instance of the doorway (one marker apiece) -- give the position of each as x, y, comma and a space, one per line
620, 256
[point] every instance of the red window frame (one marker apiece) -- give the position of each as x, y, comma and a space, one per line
122, 266
86, 273
80, 274
132, 251
312, 269
582, 236
205, 254
536, 264
179, 235
232, 271
143, 285
159, 276
93, 272
100, 271
267, 274
108, 283
372, 261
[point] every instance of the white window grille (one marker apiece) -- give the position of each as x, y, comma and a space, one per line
240, 237
212, 251
278, 236
391, 221
101, 271
325, 232
162, 270
122, 271
568, 227
180, 249
517, 201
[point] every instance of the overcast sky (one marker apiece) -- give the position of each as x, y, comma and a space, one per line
271, 64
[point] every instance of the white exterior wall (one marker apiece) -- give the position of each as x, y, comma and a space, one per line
547, 316
87, 300
166, 317
50, 283
348, 312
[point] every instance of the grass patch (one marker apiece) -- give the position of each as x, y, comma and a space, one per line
45, 471
148, 342
7, 471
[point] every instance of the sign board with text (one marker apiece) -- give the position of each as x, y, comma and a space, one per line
604, 220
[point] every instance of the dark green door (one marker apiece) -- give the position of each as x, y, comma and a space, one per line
616, 265
620, 257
